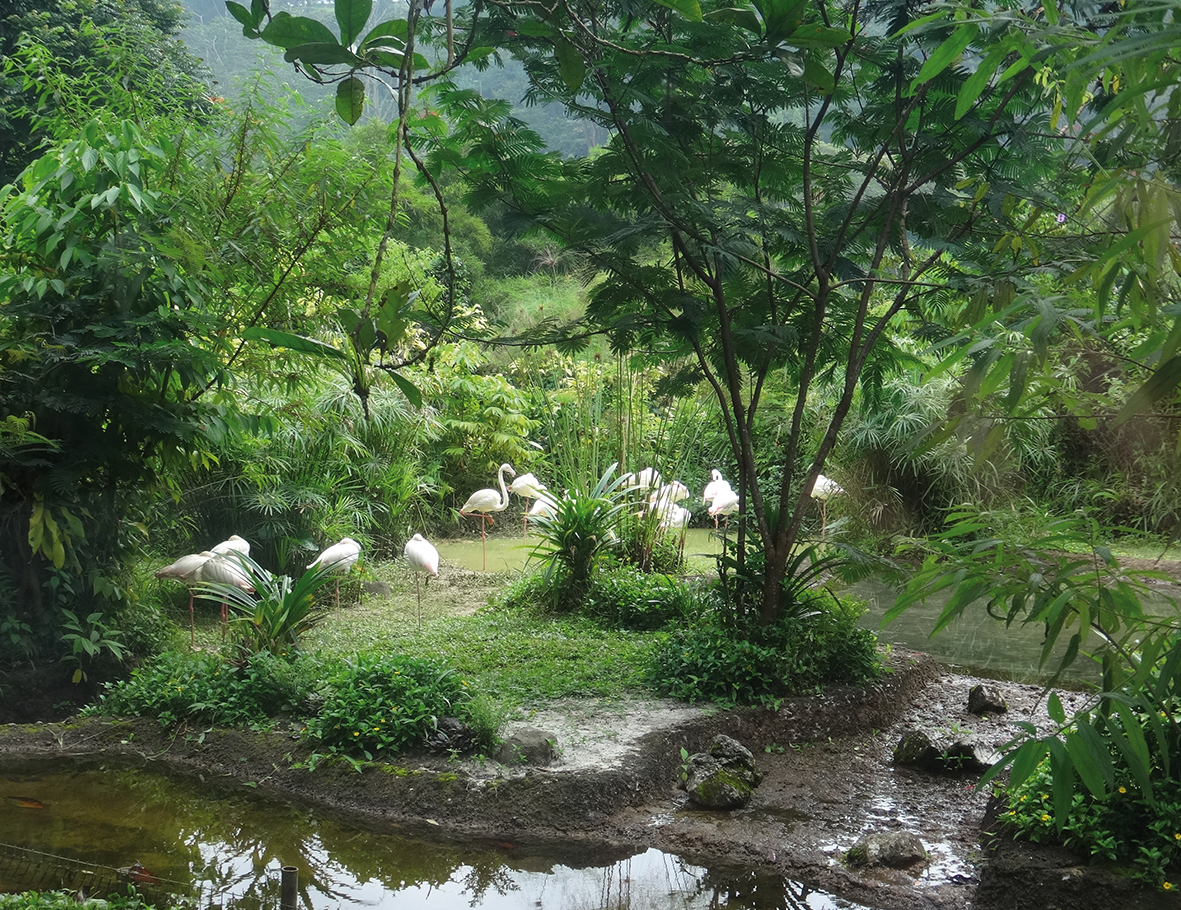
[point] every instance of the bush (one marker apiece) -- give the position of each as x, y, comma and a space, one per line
1121, 827
180, 687
747, 664
63, 900
630, 599
621, 598
378, 706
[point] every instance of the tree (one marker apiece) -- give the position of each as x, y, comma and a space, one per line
784, 183
63, 61
105, 353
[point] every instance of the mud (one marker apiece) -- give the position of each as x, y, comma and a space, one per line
613, 789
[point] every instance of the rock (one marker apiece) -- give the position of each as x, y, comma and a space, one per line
528, 746
916, 750
897, 849
376, 588
725, 777
451, 735
984, 698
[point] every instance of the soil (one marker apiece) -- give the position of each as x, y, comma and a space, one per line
612, 789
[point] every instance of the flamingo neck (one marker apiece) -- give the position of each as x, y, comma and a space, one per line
501, 504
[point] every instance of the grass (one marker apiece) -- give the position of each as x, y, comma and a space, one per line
514, 658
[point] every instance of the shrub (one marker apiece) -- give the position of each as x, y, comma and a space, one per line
378, 706
717, 660
627, 598
204, 688
68, 900
1121, 827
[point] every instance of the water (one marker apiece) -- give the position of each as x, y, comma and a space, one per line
230, 844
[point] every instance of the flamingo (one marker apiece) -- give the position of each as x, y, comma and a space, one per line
668, 494
423, 557
187, 570
822, 489
234, 544
725, 503
716, 485
226, 569
645, 480
339, 559
488, 500
675, 517
530, 487
543, 505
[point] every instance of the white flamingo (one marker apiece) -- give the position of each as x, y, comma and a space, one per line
234, 544
338, 559
187, 570
822, 489
530, 487
542, 506
482, 502
645, 480
226, 569
423, 557
668, 494
716, 485
725, 503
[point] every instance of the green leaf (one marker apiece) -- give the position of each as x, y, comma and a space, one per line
350, 100
818, 76
409, 389
817, 36
1091, 759
297, 343
351, 16
743, 18
947, 53
690, 9
239, 12
391, 33
534, 29
1062, 773
1055, 709
1162, 383
287, 31
975, 84
570, 64
323, 55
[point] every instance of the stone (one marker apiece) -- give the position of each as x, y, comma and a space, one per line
984, 698
897, 849
376, 588
528, 746
451, 735
725, 777
915, 750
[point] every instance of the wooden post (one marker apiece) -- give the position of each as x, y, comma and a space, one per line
289, 888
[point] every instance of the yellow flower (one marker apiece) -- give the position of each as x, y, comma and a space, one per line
1012, 813
1123, 789
356, 734
1023, 799
1177, 837
1168, 886
1045, 818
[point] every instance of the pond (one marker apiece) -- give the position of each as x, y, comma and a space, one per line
226, 847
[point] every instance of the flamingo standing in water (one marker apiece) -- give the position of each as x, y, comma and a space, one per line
482, 502
423, 557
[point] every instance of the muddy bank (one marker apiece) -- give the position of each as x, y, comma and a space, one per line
829, 779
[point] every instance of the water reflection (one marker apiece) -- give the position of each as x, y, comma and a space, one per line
228, 847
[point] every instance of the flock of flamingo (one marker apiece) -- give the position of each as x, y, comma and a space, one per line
221, 565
